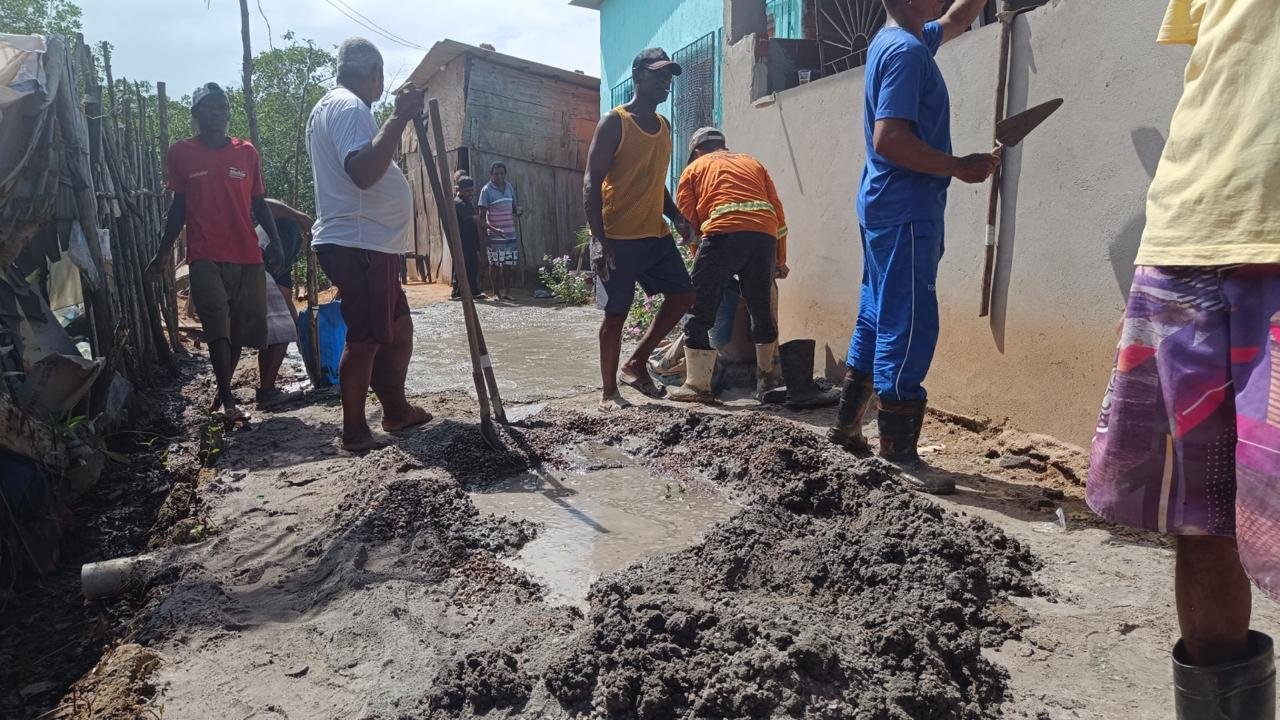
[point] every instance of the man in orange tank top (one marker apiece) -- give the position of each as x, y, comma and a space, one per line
626, 197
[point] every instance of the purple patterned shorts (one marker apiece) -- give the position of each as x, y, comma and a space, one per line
1188, 442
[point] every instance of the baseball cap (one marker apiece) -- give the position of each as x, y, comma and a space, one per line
705, 134
656, 59
205, 91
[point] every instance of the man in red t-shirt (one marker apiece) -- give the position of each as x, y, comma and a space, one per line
219, 195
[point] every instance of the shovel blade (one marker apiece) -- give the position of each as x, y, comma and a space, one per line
1013, 130
490, 434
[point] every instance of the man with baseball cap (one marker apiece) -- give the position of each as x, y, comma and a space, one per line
218, 196
729, 199
626, 197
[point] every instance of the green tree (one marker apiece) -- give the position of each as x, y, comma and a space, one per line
39, 17
288, 82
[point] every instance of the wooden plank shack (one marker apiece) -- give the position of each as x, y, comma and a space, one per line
536, 119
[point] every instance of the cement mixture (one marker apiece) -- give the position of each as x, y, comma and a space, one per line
372, 587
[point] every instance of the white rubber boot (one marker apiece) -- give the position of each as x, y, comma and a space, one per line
699, 366
768, 376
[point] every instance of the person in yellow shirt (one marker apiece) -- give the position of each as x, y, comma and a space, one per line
729, 199
625, 197
1188, 440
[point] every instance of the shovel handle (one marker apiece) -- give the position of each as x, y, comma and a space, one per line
988, 268
449, 221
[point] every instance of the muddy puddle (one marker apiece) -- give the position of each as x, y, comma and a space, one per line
537, 353
605, 513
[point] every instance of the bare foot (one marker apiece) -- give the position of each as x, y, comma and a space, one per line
416, 416
613, 402
374, 441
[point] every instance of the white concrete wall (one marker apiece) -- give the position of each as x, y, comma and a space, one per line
1072, 215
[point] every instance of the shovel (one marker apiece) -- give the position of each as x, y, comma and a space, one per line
449, 220
1009, 132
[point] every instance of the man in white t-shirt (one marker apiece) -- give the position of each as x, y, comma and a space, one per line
364, 214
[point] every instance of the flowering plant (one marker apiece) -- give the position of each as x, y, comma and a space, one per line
566, 285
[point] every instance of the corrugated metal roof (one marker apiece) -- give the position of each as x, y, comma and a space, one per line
445, 51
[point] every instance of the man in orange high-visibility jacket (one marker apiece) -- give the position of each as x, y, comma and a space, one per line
729, 199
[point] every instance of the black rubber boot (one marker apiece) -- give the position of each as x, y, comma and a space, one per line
1240, 690
796, 358
900, 425
854, 398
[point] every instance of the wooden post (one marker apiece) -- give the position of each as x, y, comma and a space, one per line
250, 110
169, 282
111, 83
149, 204
130, 241
73, 124
162, 110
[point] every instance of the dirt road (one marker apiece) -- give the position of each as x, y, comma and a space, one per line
655, 563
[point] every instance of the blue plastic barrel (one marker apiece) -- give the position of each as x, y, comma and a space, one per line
333, 335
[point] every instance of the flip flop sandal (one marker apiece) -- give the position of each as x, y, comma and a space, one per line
643, 385
239, 417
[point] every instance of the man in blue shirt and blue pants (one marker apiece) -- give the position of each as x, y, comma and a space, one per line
901, 204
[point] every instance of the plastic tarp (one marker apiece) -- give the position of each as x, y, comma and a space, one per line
332, 338
21, 68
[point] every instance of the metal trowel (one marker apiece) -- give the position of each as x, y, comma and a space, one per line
1012, 130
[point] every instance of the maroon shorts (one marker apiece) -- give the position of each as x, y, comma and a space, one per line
369, 282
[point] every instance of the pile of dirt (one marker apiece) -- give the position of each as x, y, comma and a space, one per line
395, 497
835, 594
480, 682
119, 688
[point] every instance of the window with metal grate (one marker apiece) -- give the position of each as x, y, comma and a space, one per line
695, 96
621, 93
844, 29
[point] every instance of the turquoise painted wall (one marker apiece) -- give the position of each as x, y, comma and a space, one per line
629, 26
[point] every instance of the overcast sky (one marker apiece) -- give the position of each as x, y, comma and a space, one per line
184, 44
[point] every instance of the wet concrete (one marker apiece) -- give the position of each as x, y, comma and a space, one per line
605, 514
539, 351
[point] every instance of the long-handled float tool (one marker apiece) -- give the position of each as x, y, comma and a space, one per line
449, 221
1007, 16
